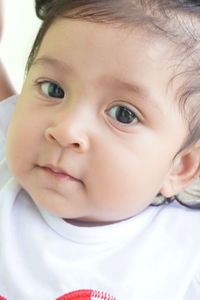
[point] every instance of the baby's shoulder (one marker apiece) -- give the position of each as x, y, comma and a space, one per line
6, 109
181, 224
180, 215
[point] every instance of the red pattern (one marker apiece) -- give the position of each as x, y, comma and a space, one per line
83, 295
86, 295
102, 295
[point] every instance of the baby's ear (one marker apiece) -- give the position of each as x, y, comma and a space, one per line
185, 168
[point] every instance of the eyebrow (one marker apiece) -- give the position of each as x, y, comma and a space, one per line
121, 84
52, 61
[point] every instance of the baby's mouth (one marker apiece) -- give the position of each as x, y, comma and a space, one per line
58, 172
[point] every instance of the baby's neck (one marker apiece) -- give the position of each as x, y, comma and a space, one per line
81, 223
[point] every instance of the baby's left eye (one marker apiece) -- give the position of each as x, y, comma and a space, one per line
123, 114
51, 89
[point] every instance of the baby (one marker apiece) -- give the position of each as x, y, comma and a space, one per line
108, 117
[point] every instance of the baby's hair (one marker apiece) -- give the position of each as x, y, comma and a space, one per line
175, 21
40, 5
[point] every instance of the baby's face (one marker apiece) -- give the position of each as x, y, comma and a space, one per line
95, 103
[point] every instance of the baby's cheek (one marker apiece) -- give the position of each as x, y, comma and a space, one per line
16, 145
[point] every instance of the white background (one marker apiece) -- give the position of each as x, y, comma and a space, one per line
20, 28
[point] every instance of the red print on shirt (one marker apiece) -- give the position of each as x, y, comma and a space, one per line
86, 295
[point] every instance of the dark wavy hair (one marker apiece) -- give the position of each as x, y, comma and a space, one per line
178, 21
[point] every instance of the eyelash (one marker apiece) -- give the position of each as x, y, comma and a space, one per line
117, 108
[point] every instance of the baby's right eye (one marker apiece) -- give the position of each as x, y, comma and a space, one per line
51, 89
123, 115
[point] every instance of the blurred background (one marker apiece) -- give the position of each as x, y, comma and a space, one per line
20, 28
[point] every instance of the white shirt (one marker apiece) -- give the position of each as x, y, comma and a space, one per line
152, 256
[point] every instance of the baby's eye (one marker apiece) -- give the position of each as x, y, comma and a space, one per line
51, 89
123, 114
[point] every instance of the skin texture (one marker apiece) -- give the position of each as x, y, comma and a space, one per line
120, 167
6, 88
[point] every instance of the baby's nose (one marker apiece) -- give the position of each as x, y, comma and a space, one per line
70, 131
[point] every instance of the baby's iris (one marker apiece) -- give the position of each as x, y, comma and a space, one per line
51, 89
122, 114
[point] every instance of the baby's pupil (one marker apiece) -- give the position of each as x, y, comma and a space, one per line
55, 91
124, 115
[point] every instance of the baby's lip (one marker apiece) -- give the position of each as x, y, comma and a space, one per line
59, 170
